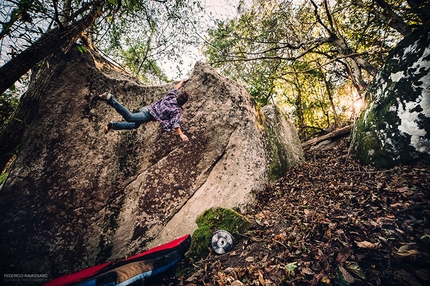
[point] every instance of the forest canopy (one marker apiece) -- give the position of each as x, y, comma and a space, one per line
313, 58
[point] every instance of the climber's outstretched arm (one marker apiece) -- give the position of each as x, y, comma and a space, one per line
179, 85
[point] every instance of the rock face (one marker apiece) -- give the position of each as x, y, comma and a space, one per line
76, 197
395, 127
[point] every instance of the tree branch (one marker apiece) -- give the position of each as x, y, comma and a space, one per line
53, 41
395, 21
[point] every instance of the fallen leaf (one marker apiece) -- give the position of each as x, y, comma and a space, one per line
368, 245
424, 274
410, 254
261, 278
343, 277
344, 255
354, 268
307, 271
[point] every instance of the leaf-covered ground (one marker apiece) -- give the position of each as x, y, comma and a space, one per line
329, 221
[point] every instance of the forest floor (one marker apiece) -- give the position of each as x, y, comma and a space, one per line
329, 221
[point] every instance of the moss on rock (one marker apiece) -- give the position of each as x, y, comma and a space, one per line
284, 148
210, 221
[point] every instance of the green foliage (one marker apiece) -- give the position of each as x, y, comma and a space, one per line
137, 61
290, 267
148, 34
82, 49
8, 103
150, 31
300, 56
3, 177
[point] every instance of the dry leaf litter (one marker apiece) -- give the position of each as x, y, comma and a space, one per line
328, 221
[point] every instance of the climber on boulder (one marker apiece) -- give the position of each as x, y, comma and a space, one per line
167, 111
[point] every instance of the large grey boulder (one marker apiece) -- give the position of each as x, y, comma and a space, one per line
76, 197
395, 127
248, 164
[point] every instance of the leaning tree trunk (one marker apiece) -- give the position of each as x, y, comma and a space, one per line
48, 47
55, 41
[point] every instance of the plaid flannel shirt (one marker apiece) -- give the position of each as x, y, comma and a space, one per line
167, 111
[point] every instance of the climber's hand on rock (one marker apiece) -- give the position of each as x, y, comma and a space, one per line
181, 83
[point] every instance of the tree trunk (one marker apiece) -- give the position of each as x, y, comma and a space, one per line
330, 98
336, 133
53, 43
395, 21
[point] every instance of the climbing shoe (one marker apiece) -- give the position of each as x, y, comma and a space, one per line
104, 96
109, 127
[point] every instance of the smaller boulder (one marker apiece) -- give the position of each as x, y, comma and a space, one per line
395, 127
284, 147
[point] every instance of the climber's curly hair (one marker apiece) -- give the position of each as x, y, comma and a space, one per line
182, 98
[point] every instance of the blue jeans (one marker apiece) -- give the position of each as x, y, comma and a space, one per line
133, 120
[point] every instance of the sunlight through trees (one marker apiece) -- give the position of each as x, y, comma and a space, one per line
312, 58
